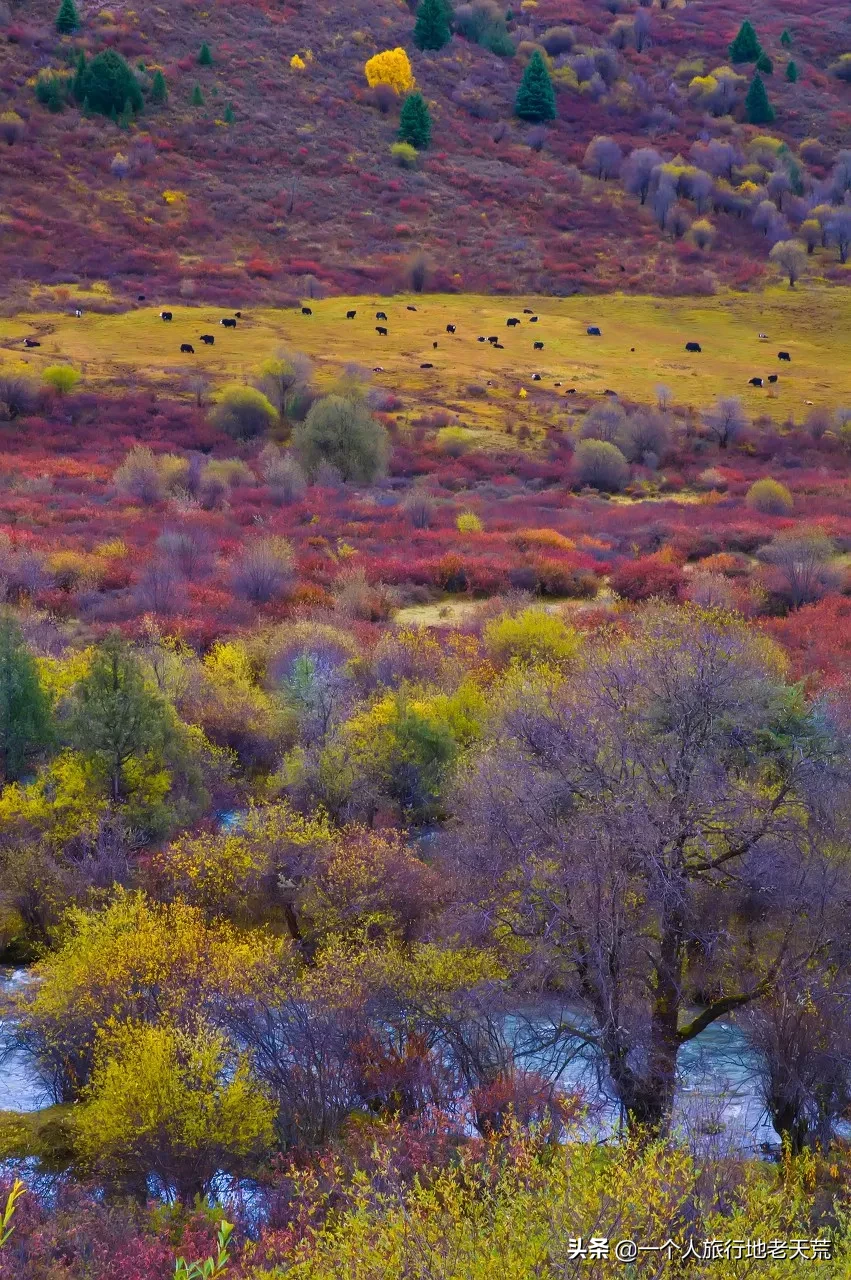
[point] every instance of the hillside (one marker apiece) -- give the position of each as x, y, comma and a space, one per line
279, 183
425, 640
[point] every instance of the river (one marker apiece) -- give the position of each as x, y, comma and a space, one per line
717, 1100
20, 1090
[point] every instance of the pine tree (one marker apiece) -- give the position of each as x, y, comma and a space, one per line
205, 58
229, 116
746, 46
159, 89
67, 19
415, 122
536, 98
115, 717
432, 26
786, 39
792, 72
758, 109
78, 83
26, 724
765, 65
197, 96
107, 85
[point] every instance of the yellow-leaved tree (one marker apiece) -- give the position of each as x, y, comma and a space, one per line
134, 960
392, 67
171, 1104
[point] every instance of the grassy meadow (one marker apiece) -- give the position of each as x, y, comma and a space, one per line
642, 345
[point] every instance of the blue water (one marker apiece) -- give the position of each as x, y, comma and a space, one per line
717, 1101
20, 1090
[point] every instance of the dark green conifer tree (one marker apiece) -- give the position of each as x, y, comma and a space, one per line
159, 88
67, 19
786, 39
205, 57
792, 71
432, 30
765, 65
26, 718
746, 46
757, 107
197, 96
536, 99
415, 122
107, 84
78, 83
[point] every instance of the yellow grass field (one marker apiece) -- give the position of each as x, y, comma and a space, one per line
813, 324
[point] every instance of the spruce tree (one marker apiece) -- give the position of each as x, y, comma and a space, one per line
229, 116
107, 85
26, 723
197, 96
78, 83
159, 89
536, 99
765, 65
67, 19
431, 30
792, 72
115, 717
757, 107
746, 46
786, 39
415, 122
205, 58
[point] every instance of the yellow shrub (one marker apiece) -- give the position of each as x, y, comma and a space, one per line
468, 522
565, 77
404, 154
166, 1099
74, 568
392, 67
297, 63
702, 84
116, 549
454, 440
770, 497
764, 142
551, 539
533, 636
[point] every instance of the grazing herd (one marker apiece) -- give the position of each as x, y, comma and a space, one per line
755, 381
512, 322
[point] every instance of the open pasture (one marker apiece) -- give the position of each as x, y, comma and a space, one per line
642, 345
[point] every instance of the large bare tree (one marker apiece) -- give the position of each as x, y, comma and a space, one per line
649, 832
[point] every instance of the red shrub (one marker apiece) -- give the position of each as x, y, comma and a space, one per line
647, 577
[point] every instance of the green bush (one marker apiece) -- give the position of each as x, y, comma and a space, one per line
51, 90
770, 497
601, 465
243, 412
344, 434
